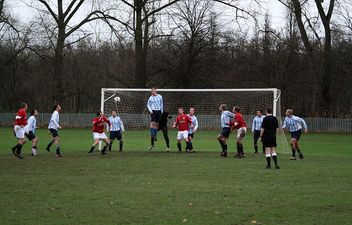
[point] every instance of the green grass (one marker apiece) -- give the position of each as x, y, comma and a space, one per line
140, 187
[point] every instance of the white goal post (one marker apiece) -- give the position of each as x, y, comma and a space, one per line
132, 107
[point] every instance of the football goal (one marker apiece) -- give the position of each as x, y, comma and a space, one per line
131, 105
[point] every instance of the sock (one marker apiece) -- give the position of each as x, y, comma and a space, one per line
241, 149
179, 147
167, 142
268, 157
91, 149
222, 145
34, 150
19, 148
190, 145
16, 147
110, 145
293, 152
299, 151
104, 149
274, 158
121, 145
256, 148
58, 150
50, 144
238, 148
152, 141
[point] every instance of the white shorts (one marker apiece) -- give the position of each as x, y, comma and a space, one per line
182, 135
99, 136
240, 131
19, 131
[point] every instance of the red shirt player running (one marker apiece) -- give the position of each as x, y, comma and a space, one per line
98, 132
20, 123
183, 122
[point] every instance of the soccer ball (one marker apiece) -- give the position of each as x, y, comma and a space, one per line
117, 99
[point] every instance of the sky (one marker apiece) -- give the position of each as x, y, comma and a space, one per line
276, 11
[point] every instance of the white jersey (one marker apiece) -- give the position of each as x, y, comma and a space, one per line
54, 120
194, 126
155, 103
31, 124
116, 124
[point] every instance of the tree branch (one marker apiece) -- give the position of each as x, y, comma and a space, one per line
50, 11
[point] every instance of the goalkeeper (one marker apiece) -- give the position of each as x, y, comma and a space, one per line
163, 127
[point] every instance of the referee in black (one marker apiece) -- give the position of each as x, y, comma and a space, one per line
268, 135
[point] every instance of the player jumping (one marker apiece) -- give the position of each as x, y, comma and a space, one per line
155, 106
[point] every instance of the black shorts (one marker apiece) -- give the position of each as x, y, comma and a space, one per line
191, 135
256, 134
155, 116
269, 140
54, 133
225, 132
30, 135
296, 134
115, 134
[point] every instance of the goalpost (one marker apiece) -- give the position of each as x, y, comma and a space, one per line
132, 108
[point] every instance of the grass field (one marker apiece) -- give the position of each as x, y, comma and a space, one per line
140, 187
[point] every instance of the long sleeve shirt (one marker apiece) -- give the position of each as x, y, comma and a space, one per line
116, 124
155, 103
54, 120
294, 123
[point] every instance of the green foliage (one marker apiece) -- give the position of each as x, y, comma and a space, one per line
140, 187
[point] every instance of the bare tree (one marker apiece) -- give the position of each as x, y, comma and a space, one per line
299, 8
62, 18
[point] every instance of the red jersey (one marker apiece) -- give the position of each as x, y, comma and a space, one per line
239, 120
183, 121
21, 118
99, 124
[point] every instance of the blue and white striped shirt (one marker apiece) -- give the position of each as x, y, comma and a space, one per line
226, 118
257, 122
294, 123
194, 126
116, 124
155, 103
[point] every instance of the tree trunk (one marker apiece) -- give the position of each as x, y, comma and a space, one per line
140, 79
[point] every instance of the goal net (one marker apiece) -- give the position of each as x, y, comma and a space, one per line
132, 108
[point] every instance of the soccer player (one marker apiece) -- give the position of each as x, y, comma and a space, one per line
241, 127
268, 135
20, 123
116, 129
163, 127
226, 119
53, 127
98, 132
256, 125
155, 106
193, 128
30, 131
183, 122
294, 124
